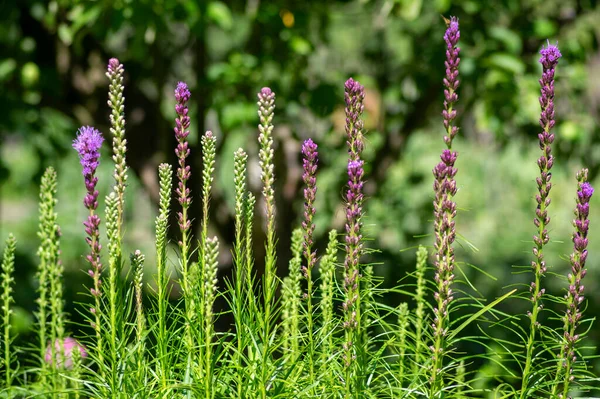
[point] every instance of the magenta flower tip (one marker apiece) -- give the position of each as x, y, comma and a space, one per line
113, 64
452, 32
266, 91
88, 143
549, 56
308, 147
353, 86
182, 93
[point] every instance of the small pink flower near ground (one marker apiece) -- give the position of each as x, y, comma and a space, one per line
69, 345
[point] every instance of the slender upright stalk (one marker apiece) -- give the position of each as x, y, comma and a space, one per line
114, 215
549, 59
240, 158
115, 303
420, 310
116, 102
291, 301
574, 297
137, 264
445, 213
310, 161
182, 124
211, 254
208, 160
165, 172
403, 323
249, 204
48, 254
266, 106
353, 329
87, 144
327, 287
6, 282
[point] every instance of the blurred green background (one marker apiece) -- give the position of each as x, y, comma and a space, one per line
53, 57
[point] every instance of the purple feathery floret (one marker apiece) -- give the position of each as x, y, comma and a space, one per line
182, 93
87, 144
586, 192
549, 56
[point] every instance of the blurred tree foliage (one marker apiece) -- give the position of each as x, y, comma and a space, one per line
53, 57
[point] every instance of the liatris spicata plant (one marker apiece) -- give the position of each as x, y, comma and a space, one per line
291, 297
48, 299
309, 163
549, 59
355, 95
87, 144
207, 296
403, 322
574, 296
266, 106
114, 215
327, 289
209, 281
240, 159
165, 172
6, 283
182, 124
419, 321
445, 212
116, 102
249, 203
137, 264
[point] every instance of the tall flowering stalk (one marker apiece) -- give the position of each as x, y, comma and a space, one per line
114, 213
327, 289
48, 254
240, 159
182, 124
309, 163
574, 296
208, 141
291, 295
549, 59
354, 95
209, 281
165, 172
116, 102
445, 210
7, 281
419, 321
87, 144
266, 107
137, 264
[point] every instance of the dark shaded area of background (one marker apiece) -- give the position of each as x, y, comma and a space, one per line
53, 57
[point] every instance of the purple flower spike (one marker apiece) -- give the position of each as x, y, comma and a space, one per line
311, 158
574, 296
87, 144
444, 207
355, 97
182, 124
451, 81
